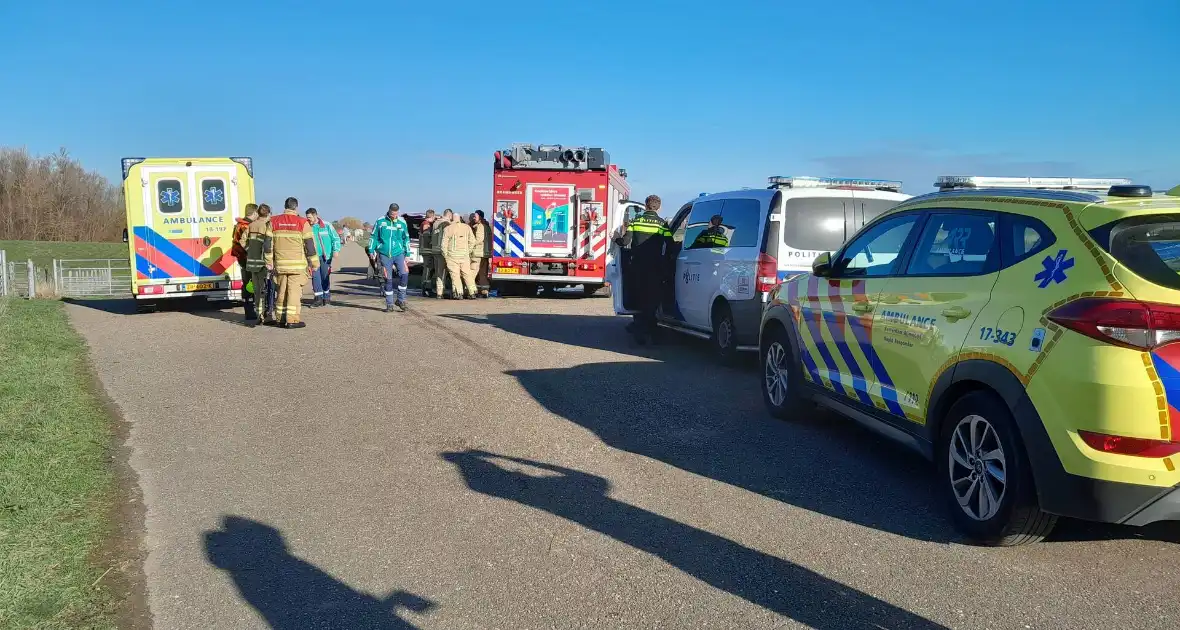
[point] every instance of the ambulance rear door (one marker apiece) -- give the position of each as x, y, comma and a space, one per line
216, 209
162, 242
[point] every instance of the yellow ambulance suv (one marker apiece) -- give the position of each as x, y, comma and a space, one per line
180, 223
1023, 333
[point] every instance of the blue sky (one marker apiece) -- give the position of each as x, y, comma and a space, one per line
354, 106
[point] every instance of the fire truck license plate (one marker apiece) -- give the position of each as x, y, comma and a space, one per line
507, 270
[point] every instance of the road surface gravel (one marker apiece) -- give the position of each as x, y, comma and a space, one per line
516, 463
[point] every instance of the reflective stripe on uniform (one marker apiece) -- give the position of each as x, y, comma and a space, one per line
649, 228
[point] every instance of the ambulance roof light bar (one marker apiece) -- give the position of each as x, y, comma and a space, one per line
952, 182
804, 181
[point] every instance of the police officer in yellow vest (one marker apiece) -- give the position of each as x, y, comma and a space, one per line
712, 237
647, 239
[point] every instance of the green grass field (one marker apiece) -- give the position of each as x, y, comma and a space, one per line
56, 484
43, 252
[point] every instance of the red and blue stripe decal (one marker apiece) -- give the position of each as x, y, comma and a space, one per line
862, 332
813, 317
862, 329
805, 354
835, 319
1166, 361
165, 259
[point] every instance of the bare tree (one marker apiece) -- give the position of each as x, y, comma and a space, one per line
53, 198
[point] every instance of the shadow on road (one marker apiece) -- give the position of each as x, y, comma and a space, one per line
711, 422
291, 593
770, 582
601, 332
114, 306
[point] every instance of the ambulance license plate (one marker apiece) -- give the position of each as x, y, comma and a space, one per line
507, 270
202, 286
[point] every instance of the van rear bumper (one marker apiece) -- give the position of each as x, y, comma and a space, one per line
216, 296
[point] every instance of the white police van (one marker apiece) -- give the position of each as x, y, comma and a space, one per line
732, 248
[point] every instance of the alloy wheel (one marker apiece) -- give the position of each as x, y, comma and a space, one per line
776, 373
978, 468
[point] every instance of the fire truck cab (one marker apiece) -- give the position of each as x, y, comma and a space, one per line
555, 210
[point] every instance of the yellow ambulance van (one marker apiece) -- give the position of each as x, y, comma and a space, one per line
180, 222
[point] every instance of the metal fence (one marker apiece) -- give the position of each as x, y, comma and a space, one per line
19, 278
92, 277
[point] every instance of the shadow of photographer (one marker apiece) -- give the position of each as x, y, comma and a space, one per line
291, 593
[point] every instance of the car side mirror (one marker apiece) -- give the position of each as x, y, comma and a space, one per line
822, 265
124, 235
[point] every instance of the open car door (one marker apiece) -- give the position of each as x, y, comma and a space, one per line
616, 257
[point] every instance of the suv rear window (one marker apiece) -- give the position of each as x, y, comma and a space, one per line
1149, 246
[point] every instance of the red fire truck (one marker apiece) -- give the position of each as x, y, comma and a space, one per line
555, 210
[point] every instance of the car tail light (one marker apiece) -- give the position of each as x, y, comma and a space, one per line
236, 284
1126, 323
767, 273
152, 289
1121, 445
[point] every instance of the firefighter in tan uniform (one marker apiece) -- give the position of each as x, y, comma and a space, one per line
457, 240
255, 246
436, 252
292, 257
481, 251
425, 247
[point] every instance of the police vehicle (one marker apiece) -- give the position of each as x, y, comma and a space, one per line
1021, 332
730, 249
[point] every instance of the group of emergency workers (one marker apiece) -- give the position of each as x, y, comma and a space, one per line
454, 256
279, 254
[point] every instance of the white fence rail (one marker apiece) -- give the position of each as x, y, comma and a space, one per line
19, 278
92, 277
101, 277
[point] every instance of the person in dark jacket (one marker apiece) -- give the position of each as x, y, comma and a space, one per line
646, 240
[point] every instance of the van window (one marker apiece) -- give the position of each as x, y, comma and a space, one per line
169, 196
737, 222
956, 244
698, 221
743, 218
213, 195
821, 223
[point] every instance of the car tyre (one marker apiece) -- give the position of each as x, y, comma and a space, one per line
985, 474
782, 377
724, 338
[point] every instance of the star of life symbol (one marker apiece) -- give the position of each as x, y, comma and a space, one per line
1054, 269
214, 195
170, 196
151, 268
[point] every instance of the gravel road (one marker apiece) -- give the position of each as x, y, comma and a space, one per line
515, 463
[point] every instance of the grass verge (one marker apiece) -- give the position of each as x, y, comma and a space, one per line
42, 253
57, 485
